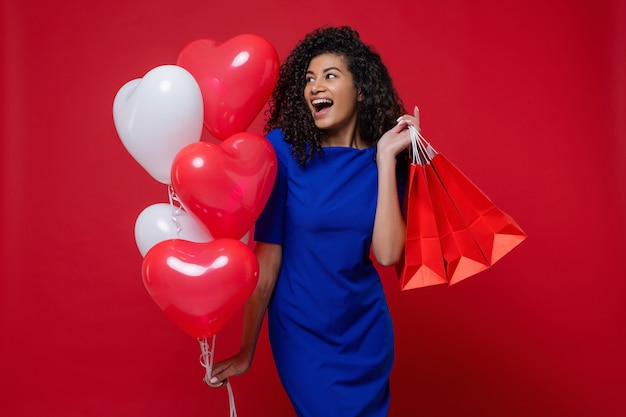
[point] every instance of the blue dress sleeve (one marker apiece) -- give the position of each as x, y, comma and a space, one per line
269, 226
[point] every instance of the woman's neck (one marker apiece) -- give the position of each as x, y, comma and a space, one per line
348, 138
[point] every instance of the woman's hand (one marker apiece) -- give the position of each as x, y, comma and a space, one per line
398, 138
235, 365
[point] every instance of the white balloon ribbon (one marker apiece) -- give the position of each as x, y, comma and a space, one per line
206, 360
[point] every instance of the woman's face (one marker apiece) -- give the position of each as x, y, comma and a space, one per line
330, 93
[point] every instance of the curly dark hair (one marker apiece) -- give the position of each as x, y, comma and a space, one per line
288, 110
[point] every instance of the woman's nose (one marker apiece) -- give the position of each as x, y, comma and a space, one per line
316, 86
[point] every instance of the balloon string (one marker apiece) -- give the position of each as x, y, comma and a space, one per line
231, 400
206, 360
176, 209
206, 357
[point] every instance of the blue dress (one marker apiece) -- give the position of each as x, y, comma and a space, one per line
329, 325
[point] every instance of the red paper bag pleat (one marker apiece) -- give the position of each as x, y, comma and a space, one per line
422, 263
495, 232
463, 256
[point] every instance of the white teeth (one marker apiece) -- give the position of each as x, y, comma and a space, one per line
321, 101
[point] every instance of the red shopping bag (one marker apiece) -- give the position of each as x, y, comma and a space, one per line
422, 263
473, 233
462, 254
495, 232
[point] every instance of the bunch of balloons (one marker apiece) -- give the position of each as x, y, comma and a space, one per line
197, 266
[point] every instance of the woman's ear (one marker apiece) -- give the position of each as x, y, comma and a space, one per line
360, 96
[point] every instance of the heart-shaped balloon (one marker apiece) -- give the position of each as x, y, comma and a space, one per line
163, 221
226, 185
157, 115
236, 79
200, 286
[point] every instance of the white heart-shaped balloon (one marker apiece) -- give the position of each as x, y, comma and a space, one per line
157, 115
162, 221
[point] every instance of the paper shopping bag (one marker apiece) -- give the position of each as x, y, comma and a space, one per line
422, 263
462, 254
495, 232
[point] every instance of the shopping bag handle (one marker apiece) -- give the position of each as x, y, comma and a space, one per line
422, 151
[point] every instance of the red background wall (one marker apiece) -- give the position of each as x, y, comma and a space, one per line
526, 97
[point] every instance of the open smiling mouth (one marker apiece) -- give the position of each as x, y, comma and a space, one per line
321, 104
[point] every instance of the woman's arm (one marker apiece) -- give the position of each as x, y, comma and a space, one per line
389, 227
270, 258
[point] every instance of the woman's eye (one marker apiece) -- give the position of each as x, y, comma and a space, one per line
309, 79
331, 76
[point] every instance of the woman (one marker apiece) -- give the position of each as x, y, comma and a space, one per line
334, 125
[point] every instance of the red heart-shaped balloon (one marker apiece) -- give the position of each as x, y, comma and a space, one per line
225, 186
236, 79
200, 286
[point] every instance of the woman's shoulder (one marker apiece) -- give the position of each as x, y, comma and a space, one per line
277, 138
